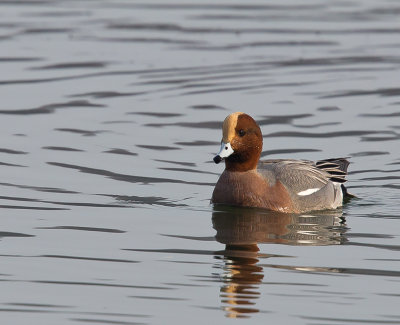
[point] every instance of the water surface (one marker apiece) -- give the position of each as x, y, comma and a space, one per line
110, 115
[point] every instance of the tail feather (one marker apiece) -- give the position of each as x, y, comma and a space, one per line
341, 163
336, 167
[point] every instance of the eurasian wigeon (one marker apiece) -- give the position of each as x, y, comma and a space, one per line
285, 185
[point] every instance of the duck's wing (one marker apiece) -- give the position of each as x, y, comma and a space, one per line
301, 177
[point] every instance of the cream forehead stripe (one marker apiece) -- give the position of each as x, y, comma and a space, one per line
228, 128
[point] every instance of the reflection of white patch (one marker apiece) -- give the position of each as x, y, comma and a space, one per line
283, 209
309, 191
226, 150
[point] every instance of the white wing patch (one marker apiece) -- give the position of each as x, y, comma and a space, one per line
309, 191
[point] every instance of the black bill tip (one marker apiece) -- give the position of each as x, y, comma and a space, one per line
217, 159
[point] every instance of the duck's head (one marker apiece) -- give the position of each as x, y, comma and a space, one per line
241, 143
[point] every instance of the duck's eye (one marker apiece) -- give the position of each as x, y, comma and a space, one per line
241, 132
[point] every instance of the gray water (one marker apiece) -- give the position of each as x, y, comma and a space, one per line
110, 115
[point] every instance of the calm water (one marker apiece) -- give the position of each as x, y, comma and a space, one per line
110, 115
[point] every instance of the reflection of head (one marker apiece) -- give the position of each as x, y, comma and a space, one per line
249, 226
240, 280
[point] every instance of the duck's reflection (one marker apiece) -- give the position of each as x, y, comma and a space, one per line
241, 229
240, 278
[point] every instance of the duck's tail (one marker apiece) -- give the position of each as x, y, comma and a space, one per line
337, 167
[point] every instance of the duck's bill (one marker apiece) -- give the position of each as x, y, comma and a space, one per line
225, 151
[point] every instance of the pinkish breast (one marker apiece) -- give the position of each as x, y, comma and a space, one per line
250, 189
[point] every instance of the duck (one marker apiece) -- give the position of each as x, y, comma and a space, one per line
283, 185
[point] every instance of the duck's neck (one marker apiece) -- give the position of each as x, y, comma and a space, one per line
242, 163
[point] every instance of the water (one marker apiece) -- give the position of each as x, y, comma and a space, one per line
110, 115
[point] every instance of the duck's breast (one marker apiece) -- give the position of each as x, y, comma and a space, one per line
251, 189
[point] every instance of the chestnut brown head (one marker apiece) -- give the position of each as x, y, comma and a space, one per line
241, 143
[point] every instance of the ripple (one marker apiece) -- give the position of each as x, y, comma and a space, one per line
337, 270
281, 119
121, 152
387, 92
50, 108
105, 321
207, 107
13, 234
147, 40
171, 250
203, 125
160, 298
148, 200
187, 170
124, 177
381, 138
157, 148
394, 114
19, 59
328, 108
80, 204
286, 151
96, 259
317, 125
86, 133
107, 94
26, 207
73, 65
36, 305
157, 114
10, 165
369, 153
100, 284
197, 143
12, 152
116, 231
240, 46
55, 148
182, 163
350, 320
47, 30
325, 134
40, 188
265, 120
